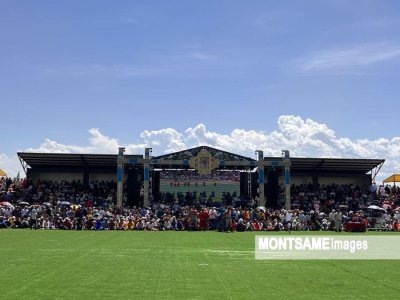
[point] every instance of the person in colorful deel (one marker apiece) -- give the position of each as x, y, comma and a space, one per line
227, 220
203, 219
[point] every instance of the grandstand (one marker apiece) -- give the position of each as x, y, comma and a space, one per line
141, 173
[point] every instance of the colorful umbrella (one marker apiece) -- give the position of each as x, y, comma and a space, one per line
75, 206
8, 204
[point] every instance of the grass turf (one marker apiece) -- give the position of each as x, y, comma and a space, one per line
175, 265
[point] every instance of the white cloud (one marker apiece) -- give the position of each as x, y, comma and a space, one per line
303, 137
98, 143
165, 140
350, 58
50, 146
10, 165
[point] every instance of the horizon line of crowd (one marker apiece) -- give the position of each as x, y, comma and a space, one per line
70, 205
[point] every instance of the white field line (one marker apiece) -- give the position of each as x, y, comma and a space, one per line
158, 250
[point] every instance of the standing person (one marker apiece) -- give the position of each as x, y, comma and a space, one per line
193, 215
34, 216
204, 219
288, 220
331, 219
78, 219
396, 224
338, 221
212, 216
228, 220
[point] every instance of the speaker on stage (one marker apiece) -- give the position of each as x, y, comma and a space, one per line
272, 188
254, 184
132, 188
243, 184
155, 185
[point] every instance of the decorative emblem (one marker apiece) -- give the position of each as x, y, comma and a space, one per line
204, 162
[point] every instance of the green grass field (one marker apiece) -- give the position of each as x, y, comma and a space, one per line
175, 265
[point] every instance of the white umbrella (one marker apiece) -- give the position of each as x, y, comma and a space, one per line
261, 208
374, 207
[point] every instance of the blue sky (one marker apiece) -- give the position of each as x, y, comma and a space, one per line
130, 67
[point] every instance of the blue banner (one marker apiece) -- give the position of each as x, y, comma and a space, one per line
287, 176
261, 176
119, 174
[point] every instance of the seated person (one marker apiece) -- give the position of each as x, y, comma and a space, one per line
131, 224
2, 222
67, 224
99, 224
111, 224
240, 225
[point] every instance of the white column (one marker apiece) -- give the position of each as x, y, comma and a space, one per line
261, 176
146, 178
286, 178
146, 193
120, 176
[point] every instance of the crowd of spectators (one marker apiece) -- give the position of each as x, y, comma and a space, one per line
195, 198
193, 175
96, 193
327, 197
71, 205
